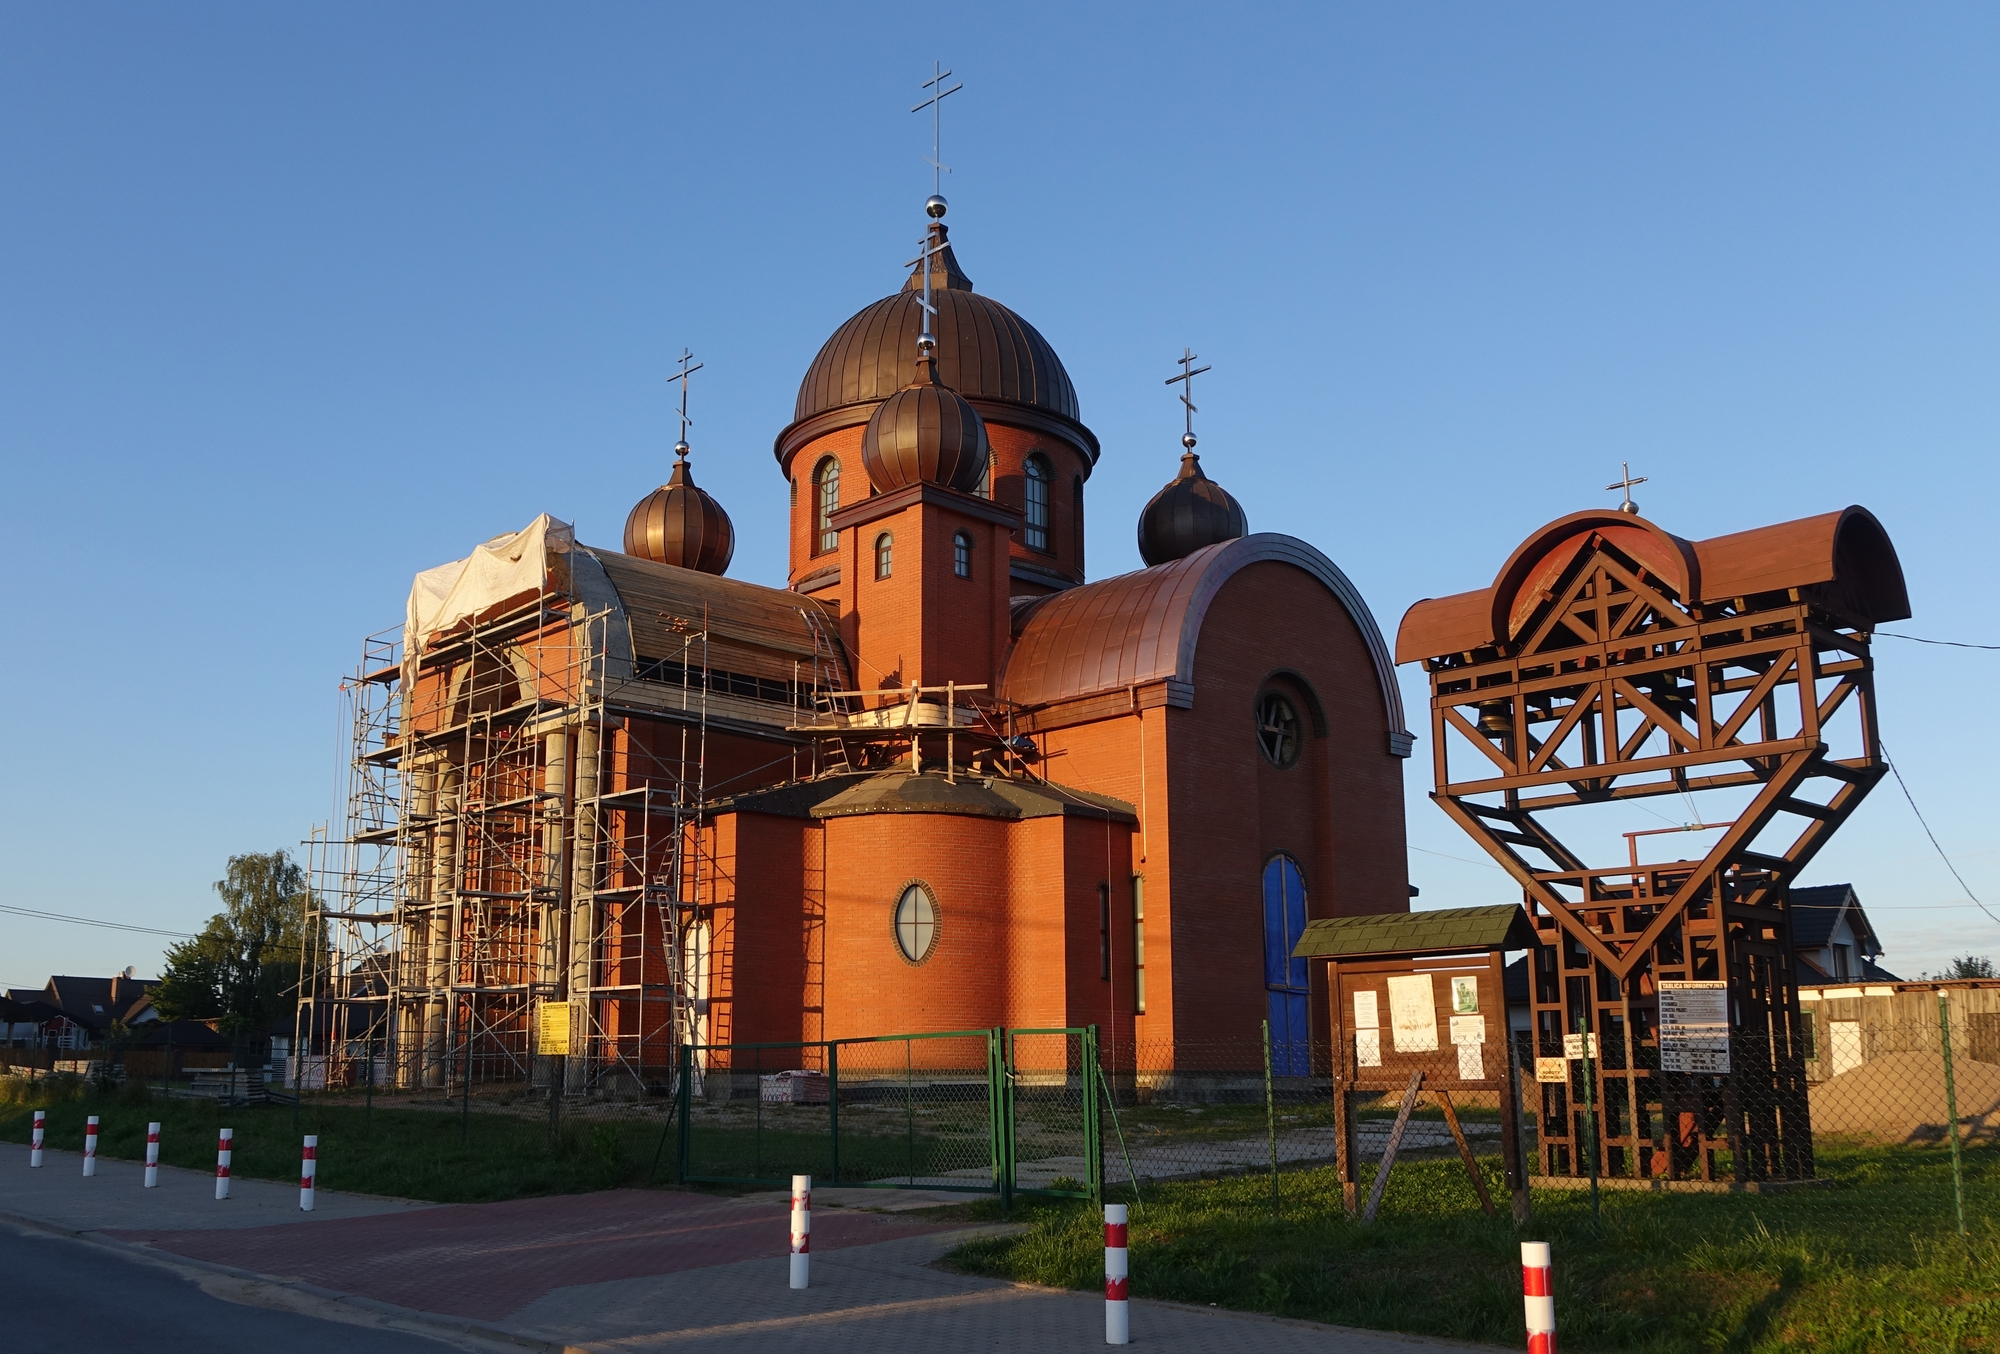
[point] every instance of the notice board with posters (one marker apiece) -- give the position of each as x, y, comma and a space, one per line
1419, 1008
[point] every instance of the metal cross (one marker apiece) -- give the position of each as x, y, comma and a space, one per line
1626, 485
938, 95
929, 250
688, 368
1188, 372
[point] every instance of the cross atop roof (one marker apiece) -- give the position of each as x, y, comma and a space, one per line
688, 368
935, 102
1626, 484
1188, 372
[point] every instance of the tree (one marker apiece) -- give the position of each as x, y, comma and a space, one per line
243, 970
1969, 966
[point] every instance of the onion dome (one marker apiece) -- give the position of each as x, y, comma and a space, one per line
679, 524
985, 351
1192, 512
925, 433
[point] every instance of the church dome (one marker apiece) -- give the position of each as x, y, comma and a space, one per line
1191, 512
680, 524
925, 433
985, 351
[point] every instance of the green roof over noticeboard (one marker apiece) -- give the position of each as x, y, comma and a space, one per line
1501, 927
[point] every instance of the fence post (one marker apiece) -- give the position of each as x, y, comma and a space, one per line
833, 1106
1003, 1088
1951, 1110
684, 1139
1271, 1123
1093, 1124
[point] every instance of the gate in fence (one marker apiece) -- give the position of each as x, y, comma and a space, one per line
997, 1111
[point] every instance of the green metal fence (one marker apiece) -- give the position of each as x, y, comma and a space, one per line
1001, 1111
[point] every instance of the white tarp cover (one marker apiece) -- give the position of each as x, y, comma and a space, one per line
501, 574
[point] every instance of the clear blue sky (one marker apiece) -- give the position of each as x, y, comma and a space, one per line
298, 300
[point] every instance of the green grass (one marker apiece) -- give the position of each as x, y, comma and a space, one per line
407, 1153
1871, 1262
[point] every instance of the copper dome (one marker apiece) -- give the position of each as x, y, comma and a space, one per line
925, 433
1192, 512
680, 524
985, 351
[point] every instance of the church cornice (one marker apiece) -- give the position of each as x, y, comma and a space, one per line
1007, 413
877, 506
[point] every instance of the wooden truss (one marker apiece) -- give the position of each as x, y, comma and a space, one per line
1615, 688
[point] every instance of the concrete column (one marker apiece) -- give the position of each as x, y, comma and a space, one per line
583, 880
441, 918
414, 970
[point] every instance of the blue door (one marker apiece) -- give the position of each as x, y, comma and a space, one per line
1285, 977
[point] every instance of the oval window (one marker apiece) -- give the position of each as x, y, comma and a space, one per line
916, 923
1277, 729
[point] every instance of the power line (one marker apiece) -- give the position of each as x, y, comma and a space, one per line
1933, 836
1947, 643
11, 910
1462, 860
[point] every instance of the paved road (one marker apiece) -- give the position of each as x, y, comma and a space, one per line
68, 1294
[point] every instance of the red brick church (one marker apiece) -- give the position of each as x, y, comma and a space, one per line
940, 779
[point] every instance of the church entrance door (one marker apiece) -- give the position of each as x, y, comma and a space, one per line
1285, 980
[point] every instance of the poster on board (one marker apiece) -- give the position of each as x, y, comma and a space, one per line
1413, 1013
1694, 1027
1368, 1047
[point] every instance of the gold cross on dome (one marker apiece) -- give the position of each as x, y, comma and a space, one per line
1626, 485
1188, 372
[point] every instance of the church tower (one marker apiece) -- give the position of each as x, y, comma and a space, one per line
922, 544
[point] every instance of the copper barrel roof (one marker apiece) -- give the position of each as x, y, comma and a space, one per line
1845, 558
1144, 626
985, 352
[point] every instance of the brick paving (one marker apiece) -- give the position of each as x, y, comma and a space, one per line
632, 1271
485, 1261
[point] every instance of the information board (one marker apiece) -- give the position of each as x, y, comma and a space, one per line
556, 1028
1694, 1027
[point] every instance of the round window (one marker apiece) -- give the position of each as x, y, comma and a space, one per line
916, 923
1277, 729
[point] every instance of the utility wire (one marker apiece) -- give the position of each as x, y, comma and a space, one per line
1933, 836
1947, 643
10, 910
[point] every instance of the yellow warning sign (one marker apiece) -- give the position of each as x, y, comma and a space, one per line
556, 1030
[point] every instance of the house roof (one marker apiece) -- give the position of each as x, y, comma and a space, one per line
1817, 912
906, 792
95, 1002
1502, 926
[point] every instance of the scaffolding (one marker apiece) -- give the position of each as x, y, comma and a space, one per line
510, 835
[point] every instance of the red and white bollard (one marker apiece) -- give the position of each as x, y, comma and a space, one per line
35, 1141
1539, 1296
1117, 1304
90, 1146
223, 1152
308, 1169
152, 1156
802, 1226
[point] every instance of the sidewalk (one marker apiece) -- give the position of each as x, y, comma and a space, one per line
630, 1270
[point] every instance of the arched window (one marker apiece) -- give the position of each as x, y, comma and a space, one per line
961, 554
884, 546
1285, 982
1036, 502
985, 489
1076, 520
826, 497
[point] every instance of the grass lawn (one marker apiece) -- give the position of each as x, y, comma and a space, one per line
1869, 1262
407, 1153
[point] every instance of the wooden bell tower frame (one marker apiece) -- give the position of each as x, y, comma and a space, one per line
1611, 661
